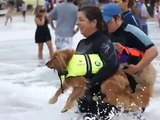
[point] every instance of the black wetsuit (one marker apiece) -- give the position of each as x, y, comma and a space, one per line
98, 43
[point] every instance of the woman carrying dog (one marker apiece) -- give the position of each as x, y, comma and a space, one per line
90, 23
129, 36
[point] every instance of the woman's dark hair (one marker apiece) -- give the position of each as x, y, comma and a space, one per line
93, 13
131, 3
39, 9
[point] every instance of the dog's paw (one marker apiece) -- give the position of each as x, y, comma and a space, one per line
64, 110
67, 107
53, 100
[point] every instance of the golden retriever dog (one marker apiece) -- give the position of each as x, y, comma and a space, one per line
59, 62
116, 88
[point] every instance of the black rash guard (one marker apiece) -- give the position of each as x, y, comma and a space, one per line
131, 36
100, 44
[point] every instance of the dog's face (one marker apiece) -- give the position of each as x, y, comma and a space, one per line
60, 60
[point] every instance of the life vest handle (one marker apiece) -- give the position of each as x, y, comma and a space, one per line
130, 51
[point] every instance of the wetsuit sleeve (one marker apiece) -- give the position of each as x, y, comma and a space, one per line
136, 38
109, 56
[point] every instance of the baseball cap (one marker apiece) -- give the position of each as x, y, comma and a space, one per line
110, 10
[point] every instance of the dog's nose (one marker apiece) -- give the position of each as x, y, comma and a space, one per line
48, 64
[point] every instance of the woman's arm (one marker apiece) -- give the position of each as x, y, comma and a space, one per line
148, 57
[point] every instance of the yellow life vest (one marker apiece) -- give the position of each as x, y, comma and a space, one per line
80, 65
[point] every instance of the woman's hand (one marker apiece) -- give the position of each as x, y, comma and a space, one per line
131, 69
148, 57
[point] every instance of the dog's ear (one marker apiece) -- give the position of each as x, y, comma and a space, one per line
60, 63
50, 64
68, 54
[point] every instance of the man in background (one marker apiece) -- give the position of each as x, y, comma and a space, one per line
65, 15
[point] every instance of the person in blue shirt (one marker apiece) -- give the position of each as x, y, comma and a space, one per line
128, 16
